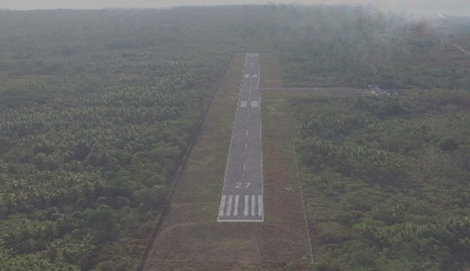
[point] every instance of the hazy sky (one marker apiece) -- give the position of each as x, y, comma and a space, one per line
453, 7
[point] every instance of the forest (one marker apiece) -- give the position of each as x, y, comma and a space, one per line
97, 109
354, 47
386, 180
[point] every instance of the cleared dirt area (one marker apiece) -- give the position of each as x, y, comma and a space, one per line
448, 54
321, 91
460, 48
191, 239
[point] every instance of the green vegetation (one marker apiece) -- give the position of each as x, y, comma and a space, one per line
357, 46
96, 111
386, 180
98, 107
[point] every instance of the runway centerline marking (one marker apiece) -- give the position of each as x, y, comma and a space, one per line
242, 194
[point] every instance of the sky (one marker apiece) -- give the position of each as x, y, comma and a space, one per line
449, 7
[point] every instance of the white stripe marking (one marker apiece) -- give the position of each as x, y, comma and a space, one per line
247, 199
254, 104
222, 206
253, 205
229, 208
243, 104
260, 205
235, 211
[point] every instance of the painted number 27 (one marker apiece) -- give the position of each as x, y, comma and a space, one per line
242, 185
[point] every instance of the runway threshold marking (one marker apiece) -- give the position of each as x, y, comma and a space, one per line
260, 205
247, 199
231, 207
242, 195
222, 206
235, 211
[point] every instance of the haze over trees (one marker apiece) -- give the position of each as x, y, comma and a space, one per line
386, 180
98, 107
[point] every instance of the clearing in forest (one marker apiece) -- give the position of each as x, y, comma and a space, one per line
190, 237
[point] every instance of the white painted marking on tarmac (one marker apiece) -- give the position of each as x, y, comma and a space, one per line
260, 205
235, 210
245, 211
232, 207
229, 208
222, 206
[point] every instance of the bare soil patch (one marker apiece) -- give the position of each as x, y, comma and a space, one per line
321, 91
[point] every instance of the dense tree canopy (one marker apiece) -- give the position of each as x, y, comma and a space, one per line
96, 111
98, 107
386, 180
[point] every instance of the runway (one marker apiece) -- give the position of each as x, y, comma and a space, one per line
242, 195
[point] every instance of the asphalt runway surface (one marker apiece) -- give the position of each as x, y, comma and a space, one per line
242, 195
